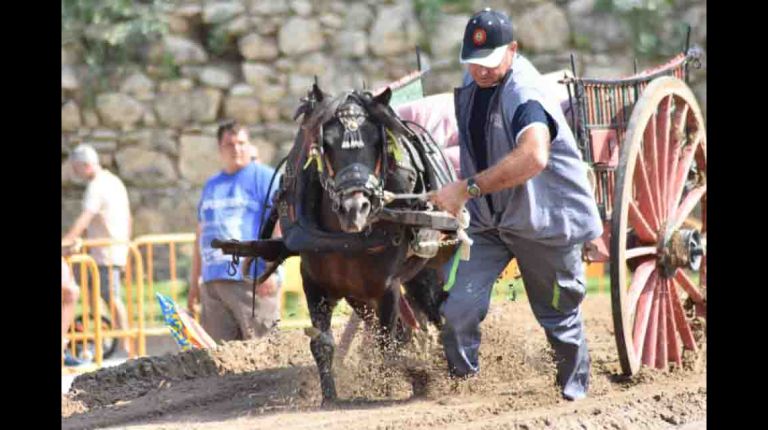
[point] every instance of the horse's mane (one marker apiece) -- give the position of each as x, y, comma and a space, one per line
324, 110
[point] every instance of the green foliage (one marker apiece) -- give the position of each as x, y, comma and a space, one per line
428, 11
112, 32
581, 41
168, 69
649, 24
219, 42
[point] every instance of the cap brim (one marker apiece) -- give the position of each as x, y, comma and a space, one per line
486, 57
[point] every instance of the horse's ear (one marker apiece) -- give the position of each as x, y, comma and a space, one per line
384, 97
314, 96
303, 109
317, 93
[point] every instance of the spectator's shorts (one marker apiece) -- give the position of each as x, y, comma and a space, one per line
107, 276
226, 311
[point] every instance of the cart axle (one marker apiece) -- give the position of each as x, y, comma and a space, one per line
683, 249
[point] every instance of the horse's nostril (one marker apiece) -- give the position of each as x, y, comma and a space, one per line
365, 206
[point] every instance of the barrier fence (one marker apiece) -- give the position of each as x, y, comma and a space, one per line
153, 261
132, 285
171, 244
89, 293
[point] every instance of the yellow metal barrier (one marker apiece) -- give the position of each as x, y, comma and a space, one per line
510, 273
87, 264
292, 284
597, 271
147, 243
133, 276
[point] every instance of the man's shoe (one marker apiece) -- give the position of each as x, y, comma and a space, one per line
71, 361
574, 397
458, 377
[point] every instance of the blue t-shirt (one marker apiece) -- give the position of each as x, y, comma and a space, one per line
231, 207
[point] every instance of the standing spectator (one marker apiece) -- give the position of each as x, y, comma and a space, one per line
231, 207
106, 214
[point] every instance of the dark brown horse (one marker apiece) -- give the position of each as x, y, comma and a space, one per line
350, 150
351, 155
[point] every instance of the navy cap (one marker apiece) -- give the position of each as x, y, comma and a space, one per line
486, 37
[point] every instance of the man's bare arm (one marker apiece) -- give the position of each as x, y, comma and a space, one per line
526, 161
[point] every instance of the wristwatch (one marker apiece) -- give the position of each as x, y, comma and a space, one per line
472, 189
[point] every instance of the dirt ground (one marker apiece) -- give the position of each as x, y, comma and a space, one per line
273, 384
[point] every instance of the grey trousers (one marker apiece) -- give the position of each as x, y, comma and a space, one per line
226, 311
555, 284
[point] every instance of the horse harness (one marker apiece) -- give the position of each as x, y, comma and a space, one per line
407, 156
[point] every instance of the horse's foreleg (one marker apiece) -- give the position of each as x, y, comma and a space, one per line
388, 317
363, 312
321, 345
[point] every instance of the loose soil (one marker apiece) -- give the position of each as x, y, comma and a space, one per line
273, 383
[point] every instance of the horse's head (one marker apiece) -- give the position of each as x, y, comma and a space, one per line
347, 139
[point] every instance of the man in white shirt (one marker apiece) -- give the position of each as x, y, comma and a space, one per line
106, 214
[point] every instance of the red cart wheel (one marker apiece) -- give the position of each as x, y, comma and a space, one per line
658, 229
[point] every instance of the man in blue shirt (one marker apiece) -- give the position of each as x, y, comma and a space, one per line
231, 207
528, 196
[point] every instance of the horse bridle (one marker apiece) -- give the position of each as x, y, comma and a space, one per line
356, 176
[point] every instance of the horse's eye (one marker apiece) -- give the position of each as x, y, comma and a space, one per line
331, 135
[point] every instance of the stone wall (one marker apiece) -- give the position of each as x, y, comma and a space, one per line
156, 129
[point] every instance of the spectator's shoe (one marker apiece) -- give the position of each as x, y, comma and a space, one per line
71, 361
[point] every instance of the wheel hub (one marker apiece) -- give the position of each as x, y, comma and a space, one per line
684, 248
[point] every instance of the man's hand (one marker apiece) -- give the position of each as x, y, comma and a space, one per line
268, 287
71, 246
451, 198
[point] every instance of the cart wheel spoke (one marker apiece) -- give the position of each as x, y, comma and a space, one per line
644, 193
687, 205
649, 347
650, 149
662, 141
682, 324
639, 282
641, 251
677, 139
643, 230
661, 341
687, 284
673, 350
644, 312
680, 175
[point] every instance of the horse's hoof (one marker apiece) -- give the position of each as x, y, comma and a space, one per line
311, 332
